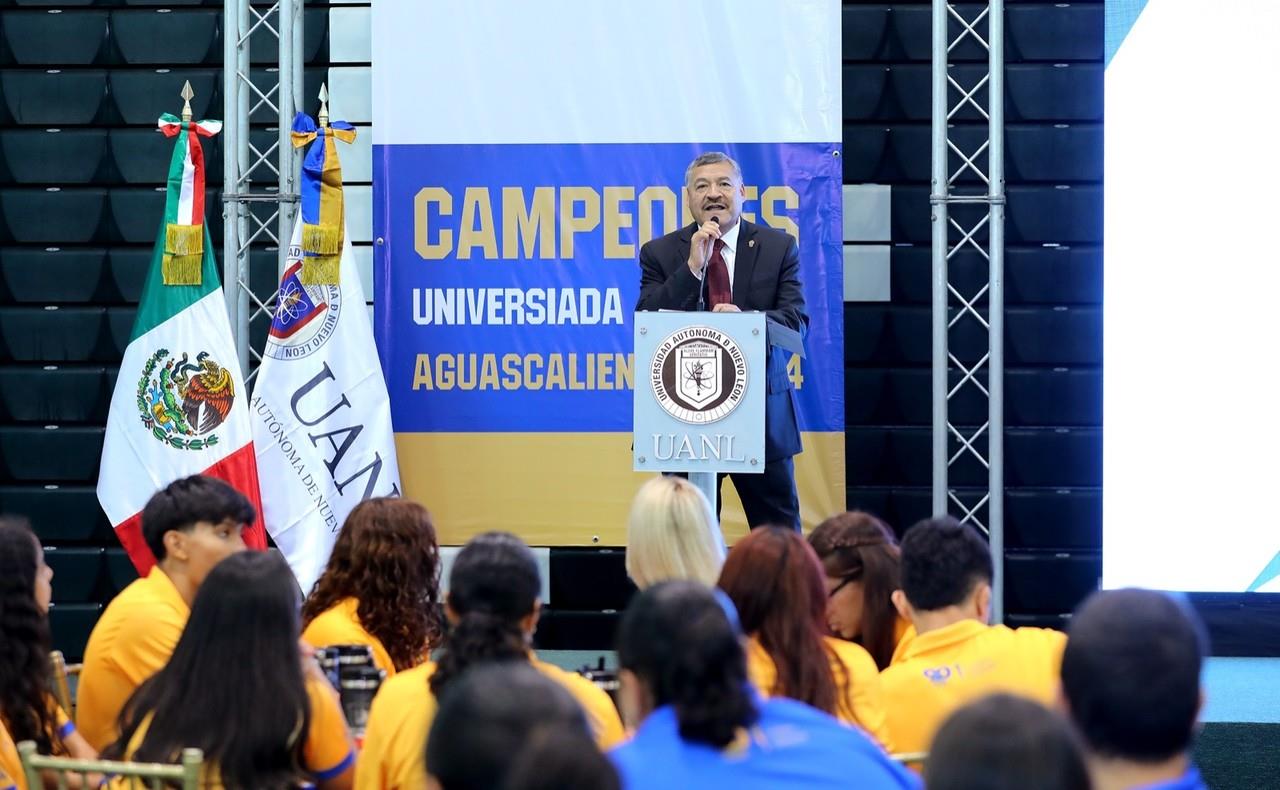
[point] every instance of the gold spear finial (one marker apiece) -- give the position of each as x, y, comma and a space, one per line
323, 116
187, 95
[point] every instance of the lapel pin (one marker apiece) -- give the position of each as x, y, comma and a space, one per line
751, 242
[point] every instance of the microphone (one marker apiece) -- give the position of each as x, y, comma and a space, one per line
702, 284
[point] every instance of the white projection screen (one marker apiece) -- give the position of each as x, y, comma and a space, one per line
1191, 431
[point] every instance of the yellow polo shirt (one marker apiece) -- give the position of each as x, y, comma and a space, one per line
859, 696
393, 756
11, 775
131, 642
326, 753
340, 625
934, 673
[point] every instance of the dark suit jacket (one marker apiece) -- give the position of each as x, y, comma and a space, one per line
766, 276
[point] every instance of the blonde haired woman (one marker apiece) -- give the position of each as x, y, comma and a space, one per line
672, 534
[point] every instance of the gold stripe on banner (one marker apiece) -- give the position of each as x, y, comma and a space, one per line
570, 489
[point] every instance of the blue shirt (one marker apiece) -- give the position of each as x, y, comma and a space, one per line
1188, 781
792, 745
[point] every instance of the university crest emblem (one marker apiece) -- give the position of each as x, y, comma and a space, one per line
182, 402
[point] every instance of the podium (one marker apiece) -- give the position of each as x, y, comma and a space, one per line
699, 393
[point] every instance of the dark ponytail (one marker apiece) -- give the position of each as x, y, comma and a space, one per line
493, 585
679, 640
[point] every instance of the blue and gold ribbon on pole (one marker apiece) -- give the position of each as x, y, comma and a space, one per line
321, 191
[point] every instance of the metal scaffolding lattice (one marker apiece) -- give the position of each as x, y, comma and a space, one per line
253, 214
960, 215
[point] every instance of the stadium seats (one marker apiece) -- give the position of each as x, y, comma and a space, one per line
54, 334
49, 454
141, 96
1033, 275
864, 148
136, 212
314, 43
1053, 32
53, 156
1061, 519
1057, 92
76, 572
863, 31
141, 156
54, 215
148, 37
54, 38
59, 514
1057, 154
127, 271
70, 626
120, 570
1066, 457
39, 275
1053, 396
54, 97
1046, 584
53, 395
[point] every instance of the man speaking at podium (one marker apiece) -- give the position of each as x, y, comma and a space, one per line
725, 264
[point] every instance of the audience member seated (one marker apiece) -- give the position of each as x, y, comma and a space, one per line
28, 711
492, 607
1131, 685
189, 526
955, 656
241, 688
381, 586
859, 558
506, 725
1003, 742
672, 533
775, 581
698, 722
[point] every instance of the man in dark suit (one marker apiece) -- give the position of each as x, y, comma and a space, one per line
733, 265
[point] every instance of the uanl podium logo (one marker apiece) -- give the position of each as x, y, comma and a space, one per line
306, 315
699, 375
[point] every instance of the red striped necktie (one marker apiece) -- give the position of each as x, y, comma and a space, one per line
718, 289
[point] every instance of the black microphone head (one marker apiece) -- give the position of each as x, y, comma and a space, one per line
714, 218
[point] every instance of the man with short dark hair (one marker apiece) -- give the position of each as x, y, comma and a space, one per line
727, 264
954, 656
190, 525
1131, 685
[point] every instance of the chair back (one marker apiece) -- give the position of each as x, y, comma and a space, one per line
154, 776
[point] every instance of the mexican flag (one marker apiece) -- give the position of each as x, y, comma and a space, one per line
180, 405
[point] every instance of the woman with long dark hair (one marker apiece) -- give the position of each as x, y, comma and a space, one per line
698, 722
860, 557
775, 581
28, 711
381, 586
239, 687
492, 606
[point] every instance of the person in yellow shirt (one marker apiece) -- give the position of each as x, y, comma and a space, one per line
240, 688
860, 560
492, 606
955, 656
28, 711
381, 586
774, 579
190, 526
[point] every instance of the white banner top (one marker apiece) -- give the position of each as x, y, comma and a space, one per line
680, 74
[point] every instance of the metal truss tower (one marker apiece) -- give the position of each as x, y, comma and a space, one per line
969, 218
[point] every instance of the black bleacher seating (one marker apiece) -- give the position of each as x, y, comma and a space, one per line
53, 275
864, 30
1040, 214
59, 514
136, 93
1053, 396
161, 36
1059, 92
51, 335
1060, 519
53, 215
864, 149
53, 156
1033, 275
55, 38
1058, 154
53, 97
1066, 457
141, 155
76, 572
120, 570
1053, 32
128, 271
590, 579
53, 395
120, 321
1040, 584
60, 3
49, 454
168, 2
70, 625
1061, 335
262, 49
